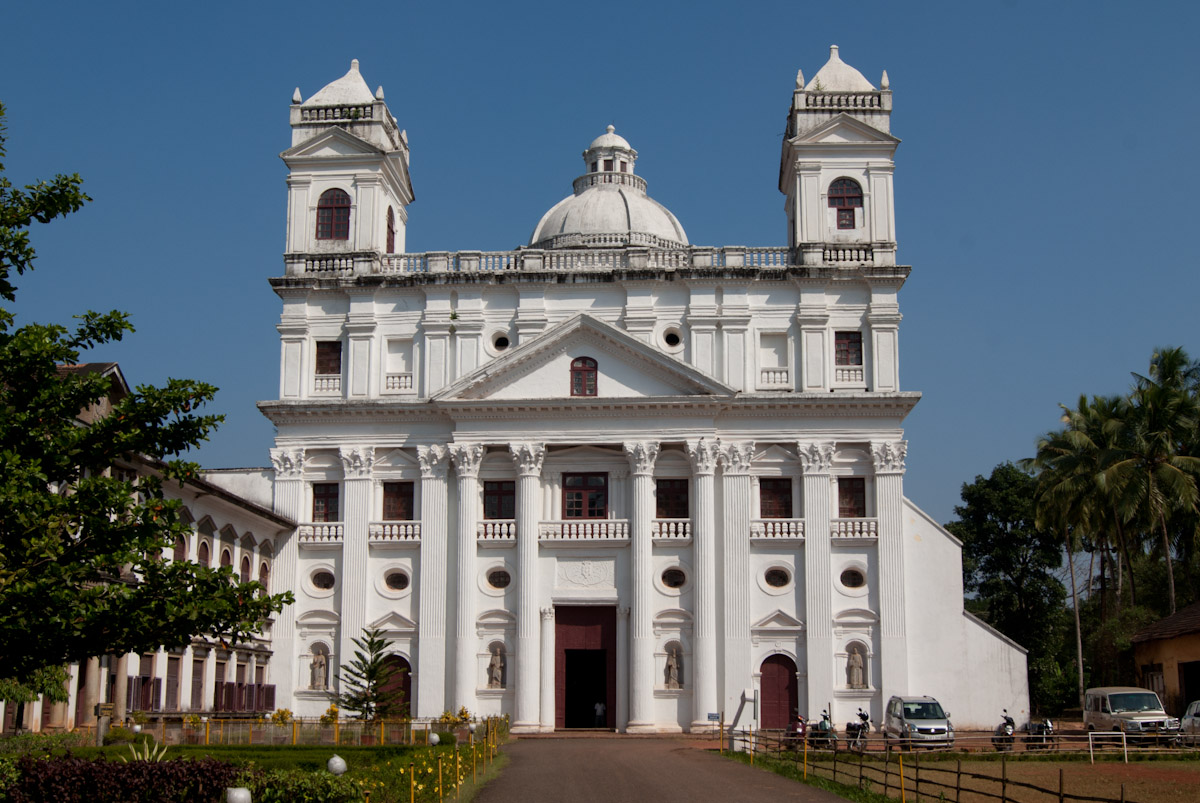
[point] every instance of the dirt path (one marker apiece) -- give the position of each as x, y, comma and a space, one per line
615, 770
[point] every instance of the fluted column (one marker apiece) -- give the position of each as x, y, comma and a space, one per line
816, 460
430, 688
889, 502
735, 497
547, 703
622, 719
121, 689
91, 691
641, 455
357, 462
703, 455
289, 503
527, 458
467, 457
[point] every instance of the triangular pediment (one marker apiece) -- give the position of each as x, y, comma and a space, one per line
626, 367
778, 620
332, 141
394, 623
844, 128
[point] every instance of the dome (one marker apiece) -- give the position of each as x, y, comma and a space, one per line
349, 90
610, 207
838, 76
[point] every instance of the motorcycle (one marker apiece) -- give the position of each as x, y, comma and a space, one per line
1041, 735
796, 733
856, 732
1002, 737
822, 735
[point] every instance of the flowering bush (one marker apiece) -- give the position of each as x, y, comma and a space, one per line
282, 717
191, 721
330, 716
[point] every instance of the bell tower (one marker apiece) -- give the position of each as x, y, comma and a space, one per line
836, 168
348, 180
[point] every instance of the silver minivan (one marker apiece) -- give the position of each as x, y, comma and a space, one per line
1133, 711
917, 722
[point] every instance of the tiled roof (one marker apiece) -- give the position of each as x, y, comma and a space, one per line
1177, 624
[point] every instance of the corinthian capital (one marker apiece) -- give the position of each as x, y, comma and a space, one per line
736, 456
527, 458
357, 461
816, 456
467, 457
288, 463
433, 460
889, 456
641, 456
703, 454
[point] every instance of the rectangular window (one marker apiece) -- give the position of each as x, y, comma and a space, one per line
608, 165
397, 501
848, 348
325, 501
775, 497
329, 357
585, 496
852, 498
671, 498
499, 499
845, 218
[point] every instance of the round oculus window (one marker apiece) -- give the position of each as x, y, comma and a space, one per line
396, 581
853, 578
500, 342
674, 578
777, 578
323, 580
672, 338
499, 578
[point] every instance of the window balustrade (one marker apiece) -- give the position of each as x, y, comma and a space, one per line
671, 530
854, 528
496, 531
777, 530
574, 530
382, 533
321, 534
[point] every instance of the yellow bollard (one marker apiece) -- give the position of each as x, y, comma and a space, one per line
207, 724
164, 730
439, 779
473, 778
337, 731
381, 732
412, 783
902, 796
221, 731
457, 771
295, 725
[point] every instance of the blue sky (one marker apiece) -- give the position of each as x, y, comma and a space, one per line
1042, 186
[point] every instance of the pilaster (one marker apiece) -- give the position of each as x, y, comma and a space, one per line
622, 718
816, 459
736, 457
288, 502
430, 688
547, 673
641, 456
357, 464
467, 458
527, 459
889, 501
703, 454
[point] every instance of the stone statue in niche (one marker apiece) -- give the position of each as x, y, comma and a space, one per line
319, 672
855, 677
672, 669
496, 669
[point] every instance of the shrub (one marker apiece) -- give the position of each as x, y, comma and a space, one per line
286, 786
118, 734
49, 742
67, 779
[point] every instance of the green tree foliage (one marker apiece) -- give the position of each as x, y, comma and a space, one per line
1008, 574
81, 568
369, 681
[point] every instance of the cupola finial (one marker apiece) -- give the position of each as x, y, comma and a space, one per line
799, 79
353, 65
611, 129
297, 97
833, 53
884, 83
379, 93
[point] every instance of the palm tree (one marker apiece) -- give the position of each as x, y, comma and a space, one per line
1148, 471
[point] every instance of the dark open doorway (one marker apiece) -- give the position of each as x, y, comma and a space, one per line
587, 684
585, 666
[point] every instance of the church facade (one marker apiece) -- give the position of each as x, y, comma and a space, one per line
611, 478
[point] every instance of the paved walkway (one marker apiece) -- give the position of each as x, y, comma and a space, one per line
634, 769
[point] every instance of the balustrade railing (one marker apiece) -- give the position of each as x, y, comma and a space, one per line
398, 382
773, 377
322, 113
327, 383
496, 531
843, 100
671, 529
849, 253
394, 532
854, 528
315, 534
777, 529
584, 530
848, 374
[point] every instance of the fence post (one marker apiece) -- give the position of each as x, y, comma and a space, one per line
412, 783
1122, 793
1060, 785
474, 779
457, 771
917, 777
207, 724
958, 781
1003, 780
903, 797
860, 768
164, 729
887, 770
337, 731
835, 762
295, 726
439, 779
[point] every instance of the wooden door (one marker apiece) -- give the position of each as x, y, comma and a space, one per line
778, 692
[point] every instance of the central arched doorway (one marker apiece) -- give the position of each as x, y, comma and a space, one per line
401, 680
779, 695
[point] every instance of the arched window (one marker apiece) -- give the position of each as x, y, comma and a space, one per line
845, 195
333, 215
202, 556
226, 558
245, 569
180, 548
264, 577
583, 376
391, 232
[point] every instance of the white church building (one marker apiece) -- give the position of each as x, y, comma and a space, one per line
610, 466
